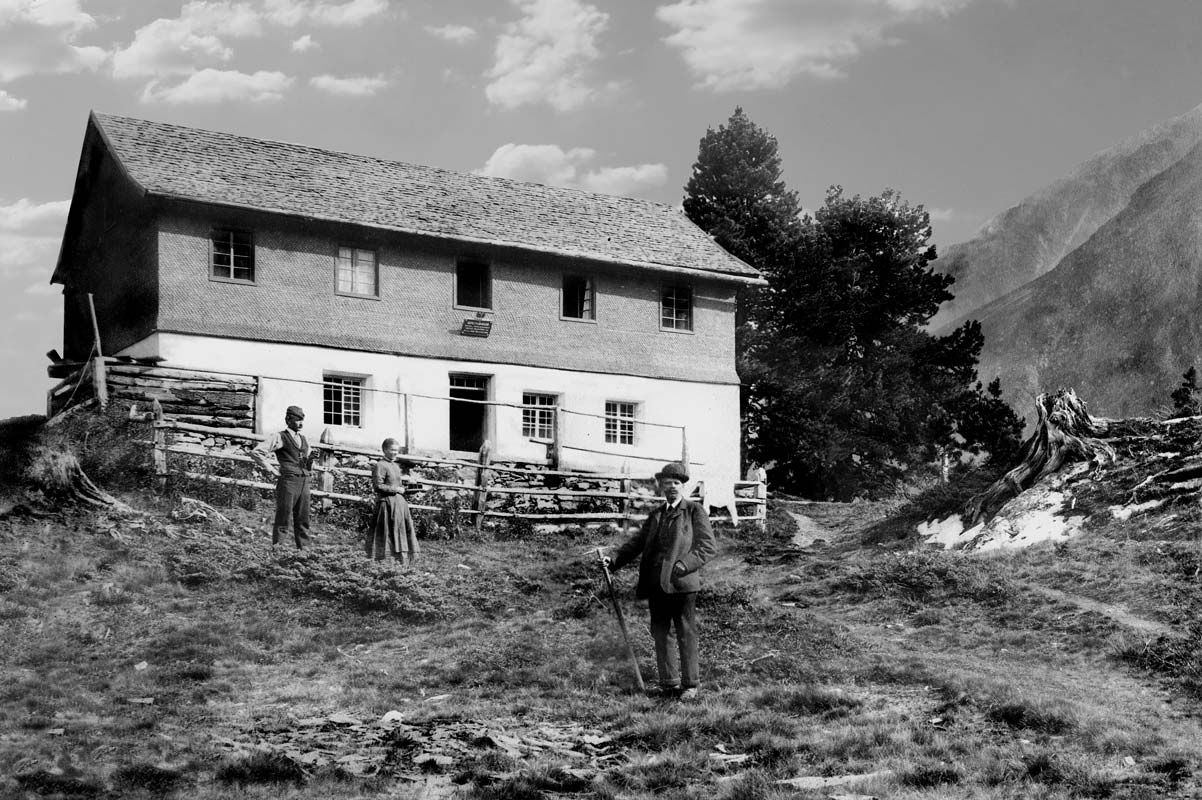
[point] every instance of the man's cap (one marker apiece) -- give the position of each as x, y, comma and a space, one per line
673, 469
295, 411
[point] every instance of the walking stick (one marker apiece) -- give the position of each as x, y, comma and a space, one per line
609, 584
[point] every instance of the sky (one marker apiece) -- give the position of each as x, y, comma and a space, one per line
964, 106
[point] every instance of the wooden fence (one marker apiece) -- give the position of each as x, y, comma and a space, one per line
626, 501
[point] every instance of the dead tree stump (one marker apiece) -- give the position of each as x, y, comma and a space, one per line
1065, 433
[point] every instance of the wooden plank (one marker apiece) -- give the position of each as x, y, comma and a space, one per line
482, 484
215, 422
176, 383
184, 374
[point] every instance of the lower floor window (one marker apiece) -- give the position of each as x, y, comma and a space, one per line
343, 401
619, 422
538, 415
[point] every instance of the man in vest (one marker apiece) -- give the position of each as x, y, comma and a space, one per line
673, 543
295, 458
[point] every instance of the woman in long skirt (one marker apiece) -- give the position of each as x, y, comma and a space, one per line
392, 531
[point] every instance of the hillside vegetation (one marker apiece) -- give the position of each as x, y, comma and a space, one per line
169, 652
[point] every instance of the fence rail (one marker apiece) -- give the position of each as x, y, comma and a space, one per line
474, 495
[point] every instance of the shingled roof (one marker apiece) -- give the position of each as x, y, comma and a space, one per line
221, 168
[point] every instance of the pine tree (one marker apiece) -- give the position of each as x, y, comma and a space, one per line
736, 195
1186, 399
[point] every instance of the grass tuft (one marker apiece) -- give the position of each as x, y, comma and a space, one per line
149, 777
261, 767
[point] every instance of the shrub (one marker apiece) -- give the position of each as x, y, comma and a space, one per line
148, 777
261, 767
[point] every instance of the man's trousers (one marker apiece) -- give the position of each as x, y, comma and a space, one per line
677, 665
291, 509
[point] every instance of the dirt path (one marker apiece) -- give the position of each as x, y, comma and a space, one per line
1116, 613
808, 530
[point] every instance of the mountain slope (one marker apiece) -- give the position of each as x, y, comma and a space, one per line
1026, 241
1118, 318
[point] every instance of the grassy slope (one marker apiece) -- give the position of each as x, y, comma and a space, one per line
846, 658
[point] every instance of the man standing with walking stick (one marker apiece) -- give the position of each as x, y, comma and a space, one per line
671, 546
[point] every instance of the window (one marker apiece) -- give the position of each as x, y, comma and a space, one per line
619, 422
578, 297
676, 308
538, 416
233, 255
473, 284
343, 401
357, 272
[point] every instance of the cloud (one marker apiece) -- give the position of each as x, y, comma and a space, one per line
941, 214
217, 85
291, 13
545, 57
10, 103
199, 37
26, 216
458, 34
39, 37
194, 39
352, 86
552, 165
738, 45
304, 44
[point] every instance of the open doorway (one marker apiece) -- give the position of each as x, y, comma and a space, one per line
469, 420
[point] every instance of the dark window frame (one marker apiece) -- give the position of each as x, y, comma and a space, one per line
672, 306
340, 415
588, 303
485, 285
620, 427
231, 237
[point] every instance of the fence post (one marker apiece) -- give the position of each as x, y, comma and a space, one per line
482, 485
326, 479
701, 497
556, 450
408, 424
99, 378
761, 493
626, 490
684, 448
160, 444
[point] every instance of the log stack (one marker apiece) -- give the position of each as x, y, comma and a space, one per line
203, 398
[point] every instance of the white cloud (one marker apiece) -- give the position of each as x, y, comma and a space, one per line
546, 55
26, 216
217, 85
353, 86
10, 103
459, 34
194, 39
552, 165
304, 44
290, 13
39, 36
46, 13
941, 214
733, 45
199, 36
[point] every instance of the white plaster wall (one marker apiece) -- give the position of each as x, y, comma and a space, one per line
292, 375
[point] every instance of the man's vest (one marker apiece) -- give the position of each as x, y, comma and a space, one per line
293, 460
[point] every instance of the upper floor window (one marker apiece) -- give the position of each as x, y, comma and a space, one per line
676, 308
619, 422
578, 297
473, 284
342, 400
233, 255
538, 415
357, 272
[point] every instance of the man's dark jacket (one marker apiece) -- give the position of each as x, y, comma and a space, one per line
689, 540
